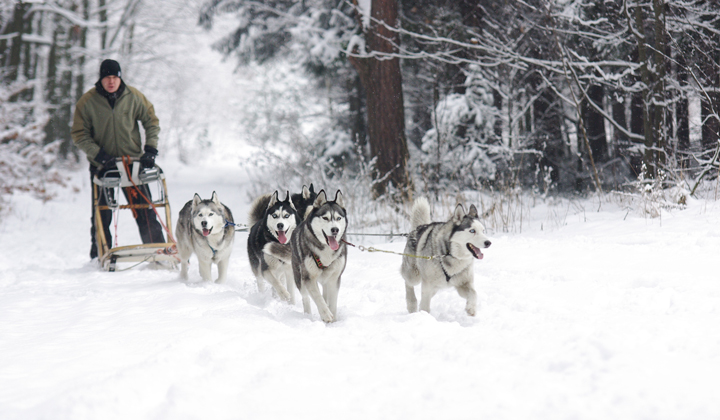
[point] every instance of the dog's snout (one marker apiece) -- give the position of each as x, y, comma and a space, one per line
203, 223
280, 226
487, 244
334, 231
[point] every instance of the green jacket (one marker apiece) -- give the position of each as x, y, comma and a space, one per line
116, 130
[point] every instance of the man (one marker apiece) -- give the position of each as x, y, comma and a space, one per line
105, 126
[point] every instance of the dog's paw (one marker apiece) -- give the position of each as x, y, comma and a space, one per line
284, 295
470, 310
326, 315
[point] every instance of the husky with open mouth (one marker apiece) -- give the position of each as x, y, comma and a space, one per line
452, 247
205, 228
273, 223
319, 254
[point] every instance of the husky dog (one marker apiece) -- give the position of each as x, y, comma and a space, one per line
273, 222
205, 227
453, 246
319, 254
304, 200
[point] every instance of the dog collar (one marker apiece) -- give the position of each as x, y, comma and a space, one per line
318, 262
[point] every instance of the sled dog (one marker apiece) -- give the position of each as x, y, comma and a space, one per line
454, 246
205, 227
273, 222
319, 254
304, 200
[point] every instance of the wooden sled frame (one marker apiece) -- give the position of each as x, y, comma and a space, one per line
108, 257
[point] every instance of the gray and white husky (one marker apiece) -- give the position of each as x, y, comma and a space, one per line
453, 245
319, 254
273, 223
205, 227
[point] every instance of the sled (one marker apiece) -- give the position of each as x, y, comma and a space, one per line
109, 186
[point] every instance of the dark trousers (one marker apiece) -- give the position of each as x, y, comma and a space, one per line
150, 229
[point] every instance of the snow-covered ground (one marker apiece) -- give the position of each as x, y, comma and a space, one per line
611, 316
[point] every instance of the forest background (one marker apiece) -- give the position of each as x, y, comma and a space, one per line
388, 98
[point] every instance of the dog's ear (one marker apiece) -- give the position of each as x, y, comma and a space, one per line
339, 199
320, 199
196, 201
458, 214
273, 199
473, 213
289, 201
307, 192
215, 199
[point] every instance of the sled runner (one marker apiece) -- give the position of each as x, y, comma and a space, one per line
130, 173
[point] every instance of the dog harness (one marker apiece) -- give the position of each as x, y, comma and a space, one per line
319, 263
214, 251
447, 276
442, 267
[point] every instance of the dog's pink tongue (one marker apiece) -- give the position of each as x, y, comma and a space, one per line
281, 236
476, 250
206, 232
333, 243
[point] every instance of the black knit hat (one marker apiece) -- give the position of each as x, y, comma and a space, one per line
110, 68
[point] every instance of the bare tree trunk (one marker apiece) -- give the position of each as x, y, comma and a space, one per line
709, 108
619, 140
12, 62
51, 85
30, 59
595, 124
358, 125
498, 124
637, 118
682, 113
646, 76
660, 66
382, 81
102, 9
80, 77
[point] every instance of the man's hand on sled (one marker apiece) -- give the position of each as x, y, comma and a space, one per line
103, 158
148, 158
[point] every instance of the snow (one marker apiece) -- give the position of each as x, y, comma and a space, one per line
608, 315
583, 314
365, 9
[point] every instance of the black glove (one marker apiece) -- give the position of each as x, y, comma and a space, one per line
102, 157
148, 158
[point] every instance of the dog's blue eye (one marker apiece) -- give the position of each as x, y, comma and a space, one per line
286, 216
275, 216
338, 219
472, 230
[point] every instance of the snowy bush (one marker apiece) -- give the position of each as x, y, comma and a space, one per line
454, 150
26, 164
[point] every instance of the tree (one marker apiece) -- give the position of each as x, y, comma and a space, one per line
382, 80
331, 35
